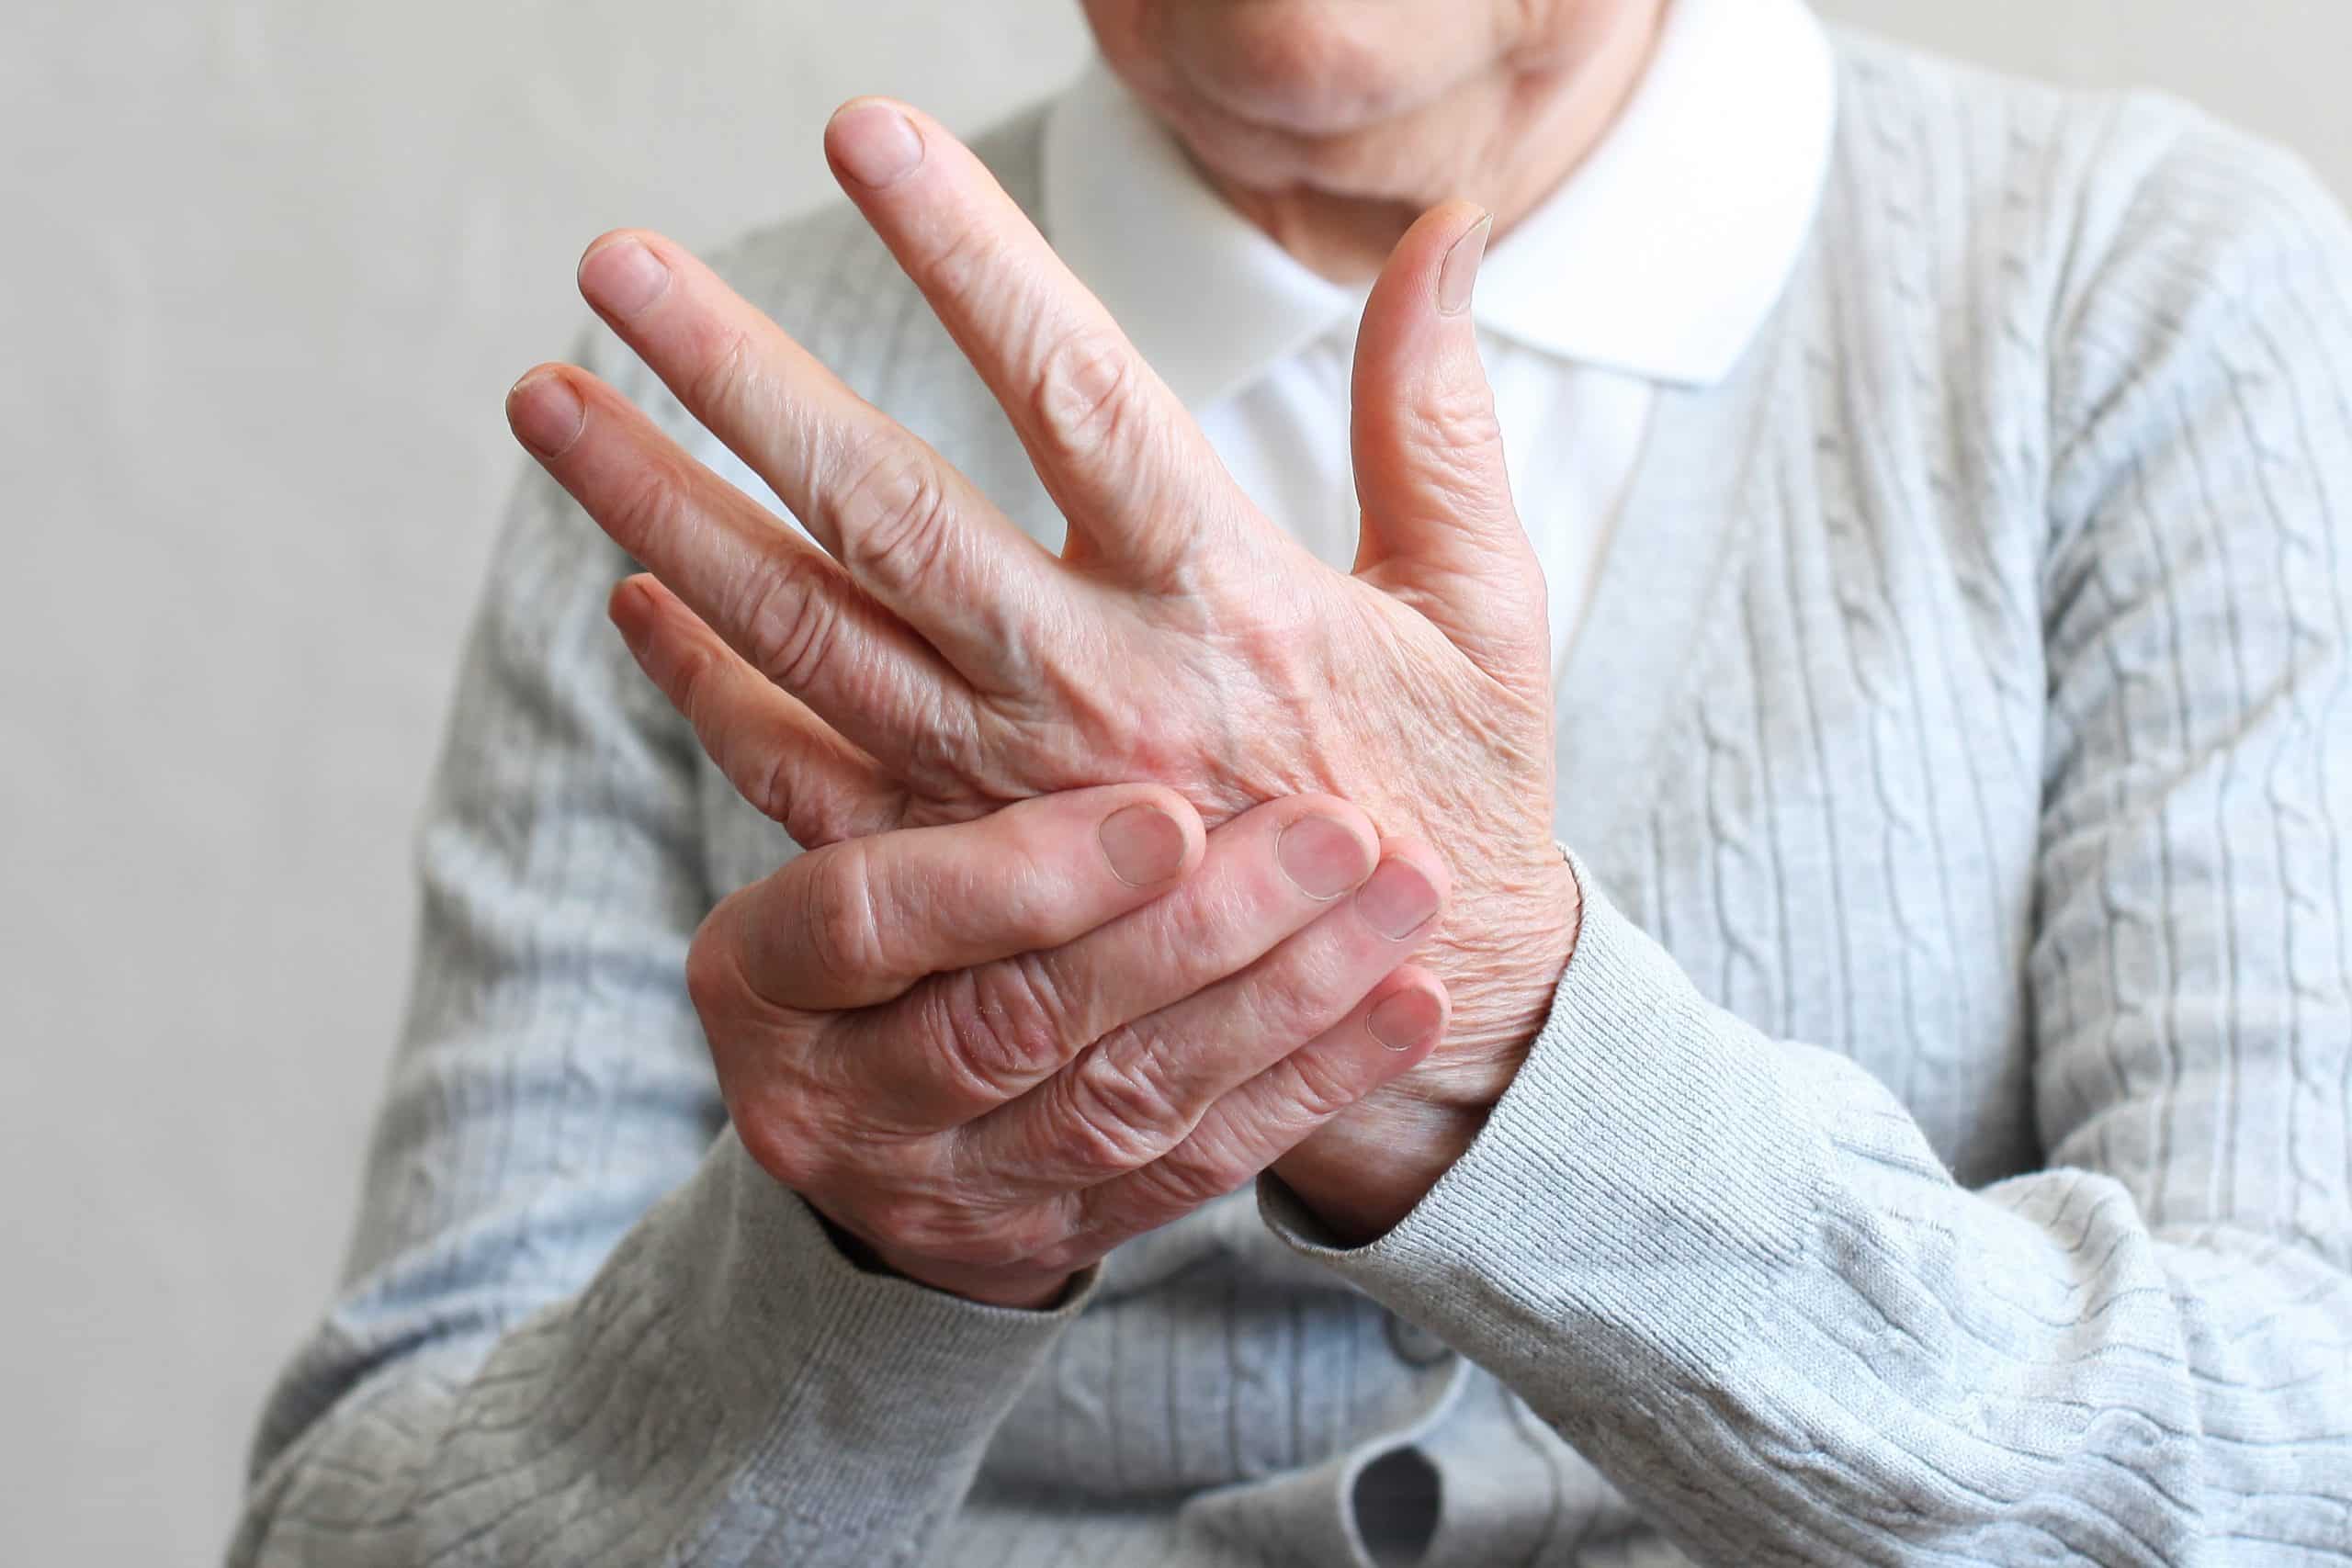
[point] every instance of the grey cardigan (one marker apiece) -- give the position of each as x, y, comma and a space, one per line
1940, 1148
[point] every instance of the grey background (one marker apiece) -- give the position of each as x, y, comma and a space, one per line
272, 263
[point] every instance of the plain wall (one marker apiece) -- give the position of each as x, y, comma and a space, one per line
272, 264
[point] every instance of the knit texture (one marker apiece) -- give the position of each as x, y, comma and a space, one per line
1940, 1148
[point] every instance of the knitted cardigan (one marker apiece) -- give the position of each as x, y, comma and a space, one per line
1938, 1150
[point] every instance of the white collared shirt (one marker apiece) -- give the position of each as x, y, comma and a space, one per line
1652, 265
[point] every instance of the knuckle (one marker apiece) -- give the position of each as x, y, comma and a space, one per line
894, 517
1035, 981
1119, 1113
1460, 419
1205, 1167
842, 925
650, 505
1084, 397
726, 376
1458, 439
1318, 1091
965, 265
772, 788
1316, 983
788, 618
1000, 1030
773, 781
948, 745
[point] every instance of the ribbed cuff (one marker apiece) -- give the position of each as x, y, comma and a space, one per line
864, 1400
1638, 1190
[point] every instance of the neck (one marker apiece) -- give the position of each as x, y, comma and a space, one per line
1533, 130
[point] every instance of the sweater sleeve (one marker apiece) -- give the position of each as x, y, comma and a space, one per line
578, 1323
1731, 1269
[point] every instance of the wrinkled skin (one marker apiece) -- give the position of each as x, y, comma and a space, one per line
934, 664
990, 1052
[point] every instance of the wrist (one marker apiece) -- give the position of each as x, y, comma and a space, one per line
1364, 1172
1027, 1291
1504, 976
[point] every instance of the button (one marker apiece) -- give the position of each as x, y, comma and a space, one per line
1416, 1346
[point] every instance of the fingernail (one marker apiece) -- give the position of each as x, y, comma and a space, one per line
1398, 900
1321, 857
1143, 844
546, 413
631, 609
622, 278
1405, 1019
874, 144
1459, 271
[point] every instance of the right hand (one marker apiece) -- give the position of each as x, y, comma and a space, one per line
989, 1051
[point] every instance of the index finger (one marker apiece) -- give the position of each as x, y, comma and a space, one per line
1117, 451
861, 921
962, 1045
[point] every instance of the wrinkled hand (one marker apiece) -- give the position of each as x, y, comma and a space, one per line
992, 1051
933, 664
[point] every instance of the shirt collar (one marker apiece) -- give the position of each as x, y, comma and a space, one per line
1660, 255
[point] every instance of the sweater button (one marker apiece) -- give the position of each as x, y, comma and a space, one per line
1415, 1344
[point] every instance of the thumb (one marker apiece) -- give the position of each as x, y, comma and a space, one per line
1440, 530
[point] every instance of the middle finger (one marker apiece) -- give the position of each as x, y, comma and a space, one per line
1129, 467
1141, 1089
963, 1044
780, 602
911, 529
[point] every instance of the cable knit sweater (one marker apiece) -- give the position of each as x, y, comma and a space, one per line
1940, 1150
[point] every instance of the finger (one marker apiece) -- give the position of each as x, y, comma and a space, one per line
858, 922
909, 528
966, 1043
782, 758
1116, 450
1020, 1256
1390, 1032
1440, 530
1140, 1091
776, 599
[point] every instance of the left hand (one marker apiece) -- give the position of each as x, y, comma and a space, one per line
940, 664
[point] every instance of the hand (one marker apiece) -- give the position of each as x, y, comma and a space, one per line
935, 663
992, 1051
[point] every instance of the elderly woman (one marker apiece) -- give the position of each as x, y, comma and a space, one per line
1767, 905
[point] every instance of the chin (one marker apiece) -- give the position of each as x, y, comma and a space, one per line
1303, 68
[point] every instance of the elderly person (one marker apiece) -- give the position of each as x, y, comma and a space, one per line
1767, 907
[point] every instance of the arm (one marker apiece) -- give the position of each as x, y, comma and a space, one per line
571, 1323
985, 1052
1755, 1297
1769, 1312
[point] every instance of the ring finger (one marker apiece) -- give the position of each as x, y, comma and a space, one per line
776, 599
1141, 1089
912, 531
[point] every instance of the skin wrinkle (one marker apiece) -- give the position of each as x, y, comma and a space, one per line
1908, 1387
1249, 656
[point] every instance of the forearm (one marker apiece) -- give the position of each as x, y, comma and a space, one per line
573, 1325
1733, 1273
727, 1387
